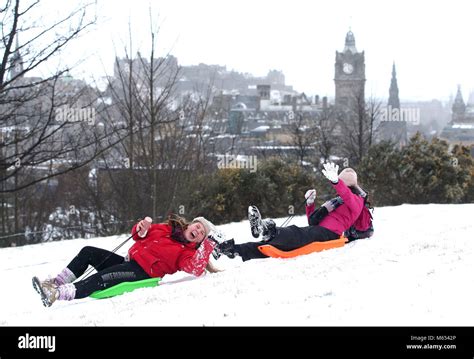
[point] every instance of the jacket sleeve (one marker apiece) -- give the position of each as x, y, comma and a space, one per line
196, 264
134, 232
347, 196
309, 210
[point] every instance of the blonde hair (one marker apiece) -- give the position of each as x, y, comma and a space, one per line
174, 219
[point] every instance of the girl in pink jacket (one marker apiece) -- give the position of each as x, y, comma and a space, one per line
293, 237
361, 228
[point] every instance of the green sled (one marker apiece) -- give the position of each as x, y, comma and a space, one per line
124, 288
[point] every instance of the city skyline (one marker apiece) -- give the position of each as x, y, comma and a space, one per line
429, 45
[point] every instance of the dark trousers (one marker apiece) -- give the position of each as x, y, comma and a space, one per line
287, 239
112, 271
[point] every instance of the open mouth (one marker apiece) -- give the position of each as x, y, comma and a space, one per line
193, 234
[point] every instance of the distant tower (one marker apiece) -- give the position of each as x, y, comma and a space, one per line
349, 76
394, 127
16, 62
459, 107
393, 99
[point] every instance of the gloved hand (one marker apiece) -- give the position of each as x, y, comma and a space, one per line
143, 226
310, 196
216, 236
330, 171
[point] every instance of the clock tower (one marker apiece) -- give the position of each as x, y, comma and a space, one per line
349, 76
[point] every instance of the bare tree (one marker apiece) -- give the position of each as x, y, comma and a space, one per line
374, 109
141, 91
303, 135
326, 124
48, 128
49, 125
167, 139
357, 128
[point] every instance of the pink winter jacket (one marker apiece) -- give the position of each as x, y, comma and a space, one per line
346, 214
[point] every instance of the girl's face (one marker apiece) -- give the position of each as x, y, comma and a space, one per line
195, 232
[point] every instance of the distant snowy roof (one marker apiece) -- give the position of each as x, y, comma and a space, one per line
464, 126
261, 129
225, 136
275, 147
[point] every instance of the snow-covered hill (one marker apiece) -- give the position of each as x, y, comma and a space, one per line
417, 270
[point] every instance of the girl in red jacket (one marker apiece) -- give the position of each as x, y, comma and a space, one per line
293, 237
159, 249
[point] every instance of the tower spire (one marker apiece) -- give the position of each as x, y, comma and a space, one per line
459, 107
350, 44
16, 62
393, 99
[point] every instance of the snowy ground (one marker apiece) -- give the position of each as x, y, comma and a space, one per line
417, 270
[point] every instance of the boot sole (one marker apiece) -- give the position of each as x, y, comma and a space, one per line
254, 215
39, 289
253, 220
36, 285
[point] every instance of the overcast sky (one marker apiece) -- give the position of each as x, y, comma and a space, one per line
430, 42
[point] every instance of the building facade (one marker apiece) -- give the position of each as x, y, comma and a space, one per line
460, 130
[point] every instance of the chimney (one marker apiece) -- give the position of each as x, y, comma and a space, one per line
325, 102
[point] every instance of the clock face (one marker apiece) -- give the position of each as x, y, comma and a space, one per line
347, 68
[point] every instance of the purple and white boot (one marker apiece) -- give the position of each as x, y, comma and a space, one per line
50, 293
65, 277
66, 292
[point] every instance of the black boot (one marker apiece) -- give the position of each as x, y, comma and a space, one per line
269, 230
226, 248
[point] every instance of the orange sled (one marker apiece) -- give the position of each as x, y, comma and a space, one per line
271, 251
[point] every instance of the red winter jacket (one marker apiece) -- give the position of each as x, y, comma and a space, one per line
158, 254
346, 214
